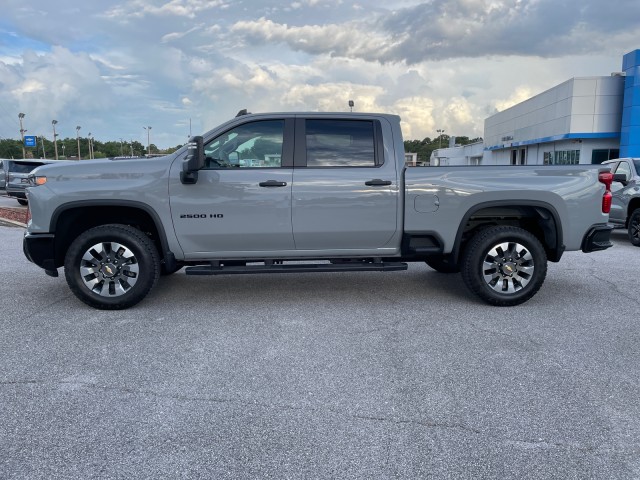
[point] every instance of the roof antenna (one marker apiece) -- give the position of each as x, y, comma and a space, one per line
351, 104
242, 112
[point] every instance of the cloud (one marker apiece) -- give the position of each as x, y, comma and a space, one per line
457, 29
114, 68
520, 94
180, 8
332, 97
47, 85
344, 40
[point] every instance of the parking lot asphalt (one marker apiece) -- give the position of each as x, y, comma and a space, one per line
349, 375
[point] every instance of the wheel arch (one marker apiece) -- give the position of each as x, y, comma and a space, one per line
71, 219
634, 204
539, 218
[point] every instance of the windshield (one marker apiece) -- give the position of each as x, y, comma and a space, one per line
636, 163
23, 167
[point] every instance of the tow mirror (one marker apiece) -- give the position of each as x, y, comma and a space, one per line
620, 177
193, 162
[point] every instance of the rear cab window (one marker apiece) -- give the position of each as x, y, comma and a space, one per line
340, 143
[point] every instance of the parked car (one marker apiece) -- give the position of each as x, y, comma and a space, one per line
15, 175
3, 174
625, 207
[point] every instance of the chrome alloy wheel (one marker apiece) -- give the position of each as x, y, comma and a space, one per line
508, 267
109, 269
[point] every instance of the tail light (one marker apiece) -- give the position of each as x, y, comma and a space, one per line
607, 179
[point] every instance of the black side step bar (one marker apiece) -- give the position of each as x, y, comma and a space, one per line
297, 268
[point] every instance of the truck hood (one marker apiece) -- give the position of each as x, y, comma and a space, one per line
107, 168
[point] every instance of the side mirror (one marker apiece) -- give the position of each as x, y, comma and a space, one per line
193, 162
234, 159
620, 177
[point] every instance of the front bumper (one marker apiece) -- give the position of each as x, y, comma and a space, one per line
597, 238
17, 194
40, 249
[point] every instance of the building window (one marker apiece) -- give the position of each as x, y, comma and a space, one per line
562, 157
600, 155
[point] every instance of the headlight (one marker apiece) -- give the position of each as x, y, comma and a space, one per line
35, 180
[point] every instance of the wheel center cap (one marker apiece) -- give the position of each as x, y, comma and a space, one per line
109, 270
509, 268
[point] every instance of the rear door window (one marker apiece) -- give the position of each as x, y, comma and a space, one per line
340, 143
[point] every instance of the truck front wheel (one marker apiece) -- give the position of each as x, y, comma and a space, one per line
634, 228
111, 267
504, 265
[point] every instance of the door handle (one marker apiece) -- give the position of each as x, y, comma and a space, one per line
273, 183
376, 182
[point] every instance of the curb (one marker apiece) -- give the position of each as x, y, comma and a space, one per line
13, 216
12, 223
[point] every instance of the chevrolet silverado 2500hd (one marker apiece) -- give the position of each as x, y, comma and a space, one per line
308, 192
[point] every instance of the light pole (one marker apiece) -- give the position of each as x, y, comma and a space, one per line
63, 154
55, 135
22, 130
78, 137
44, 154
121, 149
440, 132
148, 129
90, 146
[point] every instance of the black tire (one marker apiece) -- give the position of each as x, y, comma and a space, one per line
442, 264
111, 267
504, 265
22, 201
634, 228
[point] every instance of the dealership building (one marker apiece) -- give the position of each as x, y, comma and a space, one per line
583, 120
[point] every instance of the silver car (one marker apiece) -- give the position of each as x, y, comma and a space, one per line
15, 175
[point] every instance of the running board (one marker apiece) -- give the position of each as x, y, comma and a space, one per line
297, 268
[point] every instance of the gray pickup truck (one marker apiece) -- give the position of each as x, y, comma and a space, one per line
14, 176
625, 205
308, 192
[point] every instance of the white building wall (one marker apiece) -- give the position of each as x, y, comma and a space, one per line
462, 155
588, 105
580, 115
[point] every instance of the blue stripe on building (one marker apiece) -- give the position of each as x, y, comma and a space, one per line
630, 128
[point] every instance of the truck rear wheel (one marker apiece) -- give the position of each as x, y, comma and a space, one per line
634, 228
111, 267
504, 265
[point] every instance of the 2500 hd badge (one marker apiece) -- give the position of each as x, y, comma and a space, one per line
201, 215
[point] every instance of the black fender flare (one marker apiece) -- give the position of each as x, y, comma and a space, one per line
546, 211
162, 236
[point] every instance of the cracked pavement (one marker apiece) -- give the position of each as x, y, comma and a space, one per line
349, 375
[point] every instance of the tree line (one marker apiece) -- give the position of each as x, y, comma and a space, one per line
68, 148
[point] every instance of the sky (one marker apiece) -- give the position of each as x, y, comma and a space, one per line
185, 66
